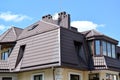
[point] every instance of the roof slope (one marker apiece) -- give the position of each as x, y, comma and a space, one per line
10, 35
93, 34
36, 28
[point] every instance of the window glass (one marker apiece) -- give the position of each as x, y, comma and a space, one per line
74, 77
80, 50
113, 51
94, 76
109, 49
4, 55
111, 77
7, 78
20, 54
90, 47
97, 47
104, 49
38, 77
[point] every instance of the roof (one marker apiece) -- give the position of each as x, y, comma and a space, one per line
90, 33
36, 28
10, 35
93, 34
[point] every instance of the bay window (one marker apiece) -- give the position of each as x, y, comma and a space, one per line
104, 48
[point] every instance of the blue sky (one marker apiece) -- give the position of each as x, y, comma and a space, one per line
102, 15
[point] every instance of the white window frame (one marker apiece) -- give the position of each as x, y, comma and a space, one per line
32, 77
74, 73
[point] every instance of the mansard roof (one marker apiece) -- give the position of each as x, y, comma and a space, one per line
36, 28
93, 34
10, 35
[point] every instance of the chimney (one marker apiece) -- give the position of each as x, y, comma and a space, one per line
63, 19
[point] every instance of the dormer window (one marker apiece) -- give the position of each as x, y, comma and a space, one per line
104, 48
33, 27
5, 51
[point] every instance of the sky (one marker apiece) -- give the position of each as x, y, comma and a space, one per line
101, 15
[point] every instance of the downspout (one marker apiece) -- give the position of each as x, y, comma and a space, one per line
53, 71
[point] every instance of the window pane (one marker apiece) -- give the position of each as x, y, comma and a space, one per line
109, 49
74, 77
6, 78
97, 45
111, 76
104, 48
37, 77
94, 76
113, 51
4, 55
90, 47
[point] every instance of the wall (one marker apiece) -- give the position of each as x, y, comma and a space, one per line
102, 73
14, 76
60, 74
48, 74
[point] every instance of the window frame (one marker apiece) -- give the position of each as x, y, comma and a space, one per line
108, 45
99, 47
32, 77
74, 73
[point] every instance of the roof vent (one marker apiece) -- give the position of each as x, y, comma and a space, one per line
33, 27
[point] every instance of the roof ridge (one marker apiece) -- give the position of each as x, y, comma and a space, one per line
5, 34
50, 23
14, 31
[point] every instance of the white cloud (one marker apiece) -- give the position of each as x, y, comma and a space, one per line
8, 16
55, 16
85, 25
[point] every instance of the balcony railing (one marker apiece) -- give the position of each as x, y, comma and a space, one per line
99, 62
105, 62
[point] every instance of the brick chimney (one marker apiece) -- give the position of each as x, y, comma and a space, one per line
63, 19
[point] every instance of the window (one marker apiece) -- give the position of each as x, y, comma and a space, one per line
113, 51
74, 76
109, 49
79, 50
104, 48
33, 27
7, 78
20, 54
38, 77
94, 76
90, 47
97, 47
5, 54
111, 76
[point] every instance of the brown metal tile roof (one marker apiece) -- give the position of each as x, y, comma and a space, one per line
93, 34
4, 64
10, 35
36, 28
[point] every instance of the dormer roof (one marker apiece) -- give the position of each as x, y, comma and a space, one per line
93, 34
10, 35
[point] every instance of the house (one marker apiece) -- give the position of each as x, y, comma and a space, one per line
51, 49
